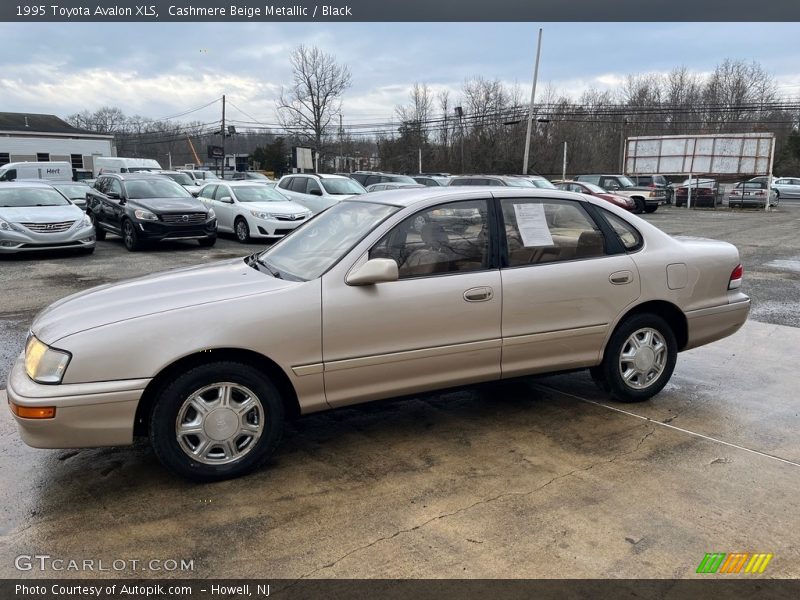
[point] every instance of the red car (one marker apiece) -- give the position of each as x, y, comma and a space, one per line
595, 190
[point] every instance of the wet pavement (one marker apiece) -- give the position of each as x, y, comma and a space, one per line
539, 477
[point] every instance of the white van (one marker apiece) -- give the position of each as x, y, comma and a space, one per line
50, 171
118, 164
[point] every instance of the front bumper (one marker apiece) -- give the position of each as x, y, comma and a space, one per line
156, 231
13, 241
87, 414
273, 228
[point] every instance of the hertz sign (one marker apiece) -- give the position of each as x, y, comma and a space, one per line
720, 562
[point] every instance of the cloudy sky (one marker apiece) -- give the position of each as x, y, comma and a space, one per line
158, 70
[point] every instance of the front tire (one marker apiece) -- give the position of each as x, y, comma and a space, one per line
217, 421
640, 207
651, 209
639, 359
208, 242
130, 237
242, 230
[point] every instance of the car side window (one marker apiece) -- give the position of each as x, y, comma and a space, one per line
609, 183
371, 179
115, 186
447, 238
208, 191
298, 185
627, 233
285, 183
100, 184
549, 230
312, 185
221, 192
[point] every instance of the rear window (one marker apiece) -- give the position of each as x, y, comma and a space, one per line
627, 233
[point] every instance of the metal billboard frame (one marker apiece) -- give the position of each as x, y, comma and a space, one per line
706, 154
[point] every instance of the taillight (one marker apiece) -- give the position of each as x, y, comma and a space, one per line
735, 282
734, 193
759, 193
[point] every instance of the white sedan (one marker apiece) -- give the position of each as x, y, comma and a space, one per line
252, 210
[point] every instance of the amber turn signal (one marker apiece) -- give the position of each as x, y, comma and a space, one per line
28, 412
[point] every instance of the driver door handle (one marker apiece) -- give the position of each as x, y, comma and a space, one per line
479, 294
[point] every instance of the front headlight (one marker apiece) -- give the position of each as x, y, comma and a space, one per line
261, 215
4, 226
86, 221
145, 215
44, 364
211, 214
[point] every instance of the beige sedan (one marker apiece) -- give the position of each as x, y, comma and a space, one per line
382, 295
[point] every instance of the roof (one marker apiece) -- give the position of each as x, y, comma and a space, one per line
39, 123
410, 196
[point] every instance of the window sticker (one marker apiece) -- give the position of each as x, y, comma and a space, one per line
532, 225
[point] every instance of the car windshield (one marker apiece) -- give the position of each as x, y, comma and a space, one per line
544, 184
519, 182
257, 193
402, 179
181, 178
625, 182
342, 187
313, 248
72, 191
154, 188
19, 197
251, 175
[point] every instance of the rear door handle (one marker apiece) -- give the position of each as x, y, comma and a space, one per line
621, 277
479, 294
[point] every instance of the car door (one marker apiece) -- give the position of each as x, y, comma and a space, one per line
438, 325
224, 207
566, 279
113, 205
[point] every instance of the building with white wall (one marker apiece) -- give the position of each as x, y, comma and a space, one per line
35, 137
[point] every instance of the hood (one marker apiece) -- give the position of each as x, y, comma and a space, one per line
280, 208
160, 292
41, 214
162, 205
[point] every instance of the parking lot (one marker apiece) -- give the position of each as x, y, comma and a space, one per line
538, 477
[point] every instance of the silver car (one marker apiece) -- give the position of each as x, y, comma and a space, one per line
318, 192
786, 187
35, 216
357, 305
251, 209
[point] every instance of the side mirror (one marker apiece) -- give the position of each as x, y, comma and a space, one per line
377, 270
113, 195
226, 200
316, 192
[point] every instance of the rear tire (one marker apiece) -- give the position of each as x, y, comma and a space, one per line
639, 358
228, 434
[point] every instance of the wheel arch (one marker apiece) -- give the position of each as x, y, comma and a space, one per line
666, 310
248, 357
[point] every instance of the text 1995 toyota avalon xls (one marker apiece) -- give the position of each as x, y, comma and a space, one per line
382, 295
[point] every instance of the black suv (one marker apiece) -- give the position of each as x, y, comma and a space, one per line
144, 207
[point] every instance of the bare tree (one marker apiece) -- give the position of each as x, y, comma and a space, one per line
313, 99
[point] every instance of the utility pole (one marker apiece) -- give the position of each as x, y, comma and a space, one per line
564, 164
224, 157
341, 143
420, 161
530, 110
